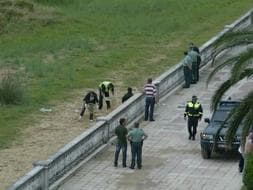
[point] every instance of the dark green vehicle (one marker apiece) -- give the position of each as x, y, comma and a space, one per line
207, 137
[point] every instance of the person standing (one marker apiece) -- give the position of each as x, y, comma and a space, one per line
194, 58
187, 66
241, 159
136, 136
194, 113
104, 93
196, 49
121, 133
89, 101
150, 93
127, 95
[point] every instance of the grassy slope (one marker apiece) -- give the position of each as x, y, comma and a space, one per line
89, 41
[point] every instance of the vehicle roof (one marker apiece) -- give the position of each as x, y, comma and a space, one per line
228, 105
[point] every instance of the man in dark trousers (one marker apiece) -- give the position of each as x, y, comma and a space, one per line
150, 98
128, 95
136, 136
121, 133
187, 67
196, 49
104, 93
194, 113
89, 102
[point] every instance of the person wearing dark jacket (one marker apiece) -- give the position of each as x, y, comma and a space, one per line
127, 95
89, 102
121, 133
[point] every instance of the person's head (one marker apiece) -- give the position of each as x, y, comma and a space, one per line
129, 89
149, 80
136, 125
122, 121
191, 45
110, 85
194, 98
185, 53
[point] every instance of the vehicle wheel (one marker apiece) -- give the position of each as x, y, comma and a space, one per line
206, 153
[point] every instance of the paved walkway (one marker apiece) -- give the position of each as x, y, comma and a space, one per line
170, 160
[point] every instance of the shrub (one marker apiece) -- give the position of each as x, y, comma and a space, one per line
248, 173
11, 91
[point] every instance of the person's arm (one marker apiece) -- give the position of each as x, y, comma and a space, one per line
145, 136
186, 111
129, 136
112, 89
200, 112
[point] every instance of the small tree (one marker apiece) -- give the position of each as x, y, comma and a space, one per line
248, 173
11, 91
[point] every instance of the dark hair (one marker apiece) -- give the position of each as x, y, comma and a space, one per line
122, 121
129, 89
185, 53
149, 80
136, 125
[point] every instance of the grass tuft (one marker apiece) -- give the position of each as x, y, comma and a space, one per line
11, 91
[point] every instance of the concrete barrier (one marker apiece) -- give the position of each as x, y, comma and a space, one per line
46, 173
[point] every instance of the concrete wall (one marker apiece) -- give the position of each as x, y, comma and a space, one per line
45, 173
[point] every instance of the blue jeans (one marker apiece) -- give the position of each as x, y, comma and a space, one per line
124, 154
136, 152
149, 108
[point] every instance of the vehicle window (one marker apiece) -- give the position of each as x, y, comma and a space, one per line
220, 115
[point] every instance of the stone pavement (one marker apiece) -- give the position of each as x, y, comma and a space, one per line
170, 160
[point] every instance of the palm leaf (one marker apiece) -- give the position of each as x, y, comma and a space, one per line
241, 64
221, 66
219, 93
243, 112
231, 40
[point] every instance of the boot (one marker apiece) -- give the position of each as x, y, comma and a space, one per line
91, 117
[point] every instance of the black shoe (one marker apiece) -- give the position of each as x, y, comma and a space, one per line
115, 165
190, 137
193, 82
131, 167
193, 138
124, 166
151, 120
186, 86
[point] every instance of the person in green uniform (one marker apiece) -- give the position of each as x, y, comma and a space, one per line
187, 67
136, 136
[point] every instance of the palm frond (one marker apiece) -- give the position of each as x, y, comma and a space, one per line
247, 126
231, 40
247, 73
221, 66
241, 64
226, 85
242, 35
219, 93
244, 112
235, 119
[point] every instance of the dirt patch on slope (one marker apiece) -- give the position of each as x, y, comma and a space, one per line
52, 131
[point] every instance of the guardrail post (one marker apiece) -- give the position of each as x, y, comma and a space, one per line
157, 84
45, 180
107, 126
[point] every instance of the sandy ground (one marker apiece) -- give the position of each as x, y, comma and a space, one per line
52, 131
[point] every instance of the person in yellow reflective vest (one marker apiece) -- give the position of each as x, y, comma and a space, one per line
194, 113
104, 93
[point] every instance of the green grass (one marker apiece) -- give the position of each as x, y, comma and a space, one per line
78, 43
